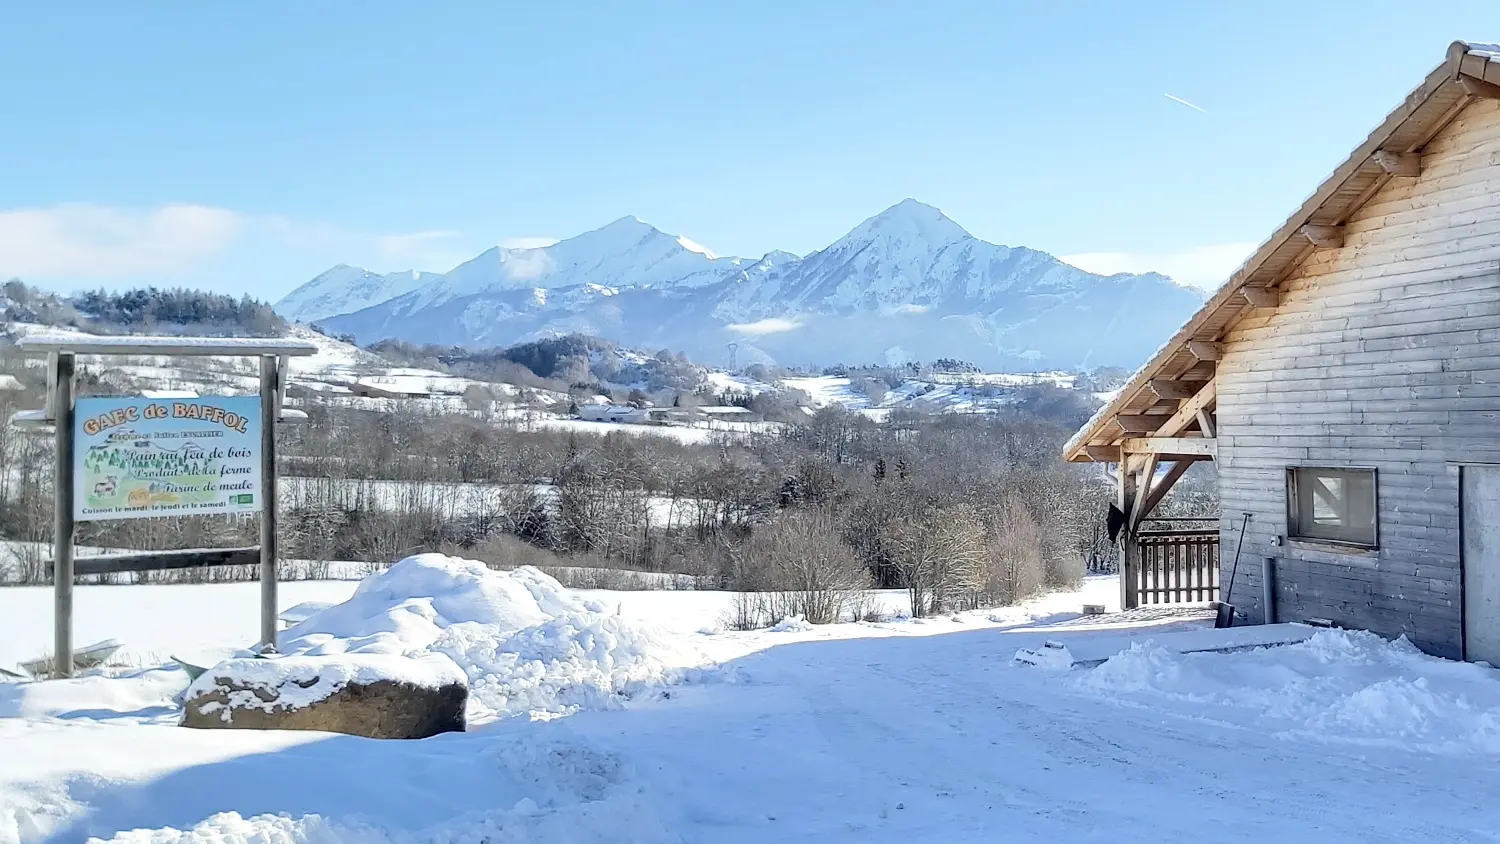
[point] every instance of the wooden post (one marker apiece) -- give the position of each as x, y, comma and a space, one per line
1130, 557
270, 404
51, 406
61, 402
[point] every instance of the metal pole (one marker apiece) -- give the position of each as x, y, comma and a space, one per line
270, 402
62, 526
1268, 590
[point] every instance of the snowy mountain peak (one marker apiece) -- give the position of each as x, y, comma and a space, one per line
627, 223
911, 222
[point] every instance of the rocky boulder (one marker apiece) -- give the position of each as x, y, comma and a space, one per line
372, 695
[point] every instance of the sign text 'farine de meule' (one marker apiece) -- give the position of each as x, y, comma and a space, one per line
139, 458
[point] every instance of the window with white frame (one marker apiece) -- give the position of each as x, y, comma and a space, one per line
1333, 505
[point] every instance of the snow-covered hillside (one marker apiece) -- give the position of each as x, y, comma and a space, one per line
937, 393
344, 289
906, 284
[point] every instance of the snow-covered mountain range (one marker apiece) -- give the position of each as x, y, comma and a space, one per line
906, 284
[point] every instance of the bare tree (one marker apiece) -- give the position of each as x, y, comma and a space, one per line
805, 568
938, 554
1015, 569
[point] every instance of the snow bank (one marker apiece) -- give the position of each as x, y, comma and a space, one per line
792, 624
1337, 686
552, 792
617, 820
298, 681
525, 643
101, 695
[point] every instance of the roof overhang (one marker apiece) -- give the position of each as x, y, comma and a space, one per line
1150, 404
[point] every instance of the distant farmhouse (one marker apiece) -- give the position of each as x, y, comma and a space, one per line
390, 388
621, 414
1346, 382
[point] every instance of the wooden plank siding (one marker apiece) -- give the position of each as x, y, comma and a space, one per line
1383, 354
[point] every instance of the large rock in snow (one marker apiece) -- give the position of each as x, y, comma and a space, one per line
373, 695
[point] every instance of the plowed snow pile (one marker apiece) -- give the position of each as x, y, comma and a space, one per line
527, 644
1337, 686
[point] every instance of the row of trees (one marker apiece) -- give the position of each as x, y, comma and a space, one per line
149, 309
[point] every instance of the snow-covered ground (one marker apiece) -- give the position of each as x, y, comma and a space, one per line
654, 724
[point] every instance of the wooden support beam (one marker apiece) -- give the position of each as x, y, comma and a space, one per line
1164, 486
1206, 423
1479, 88
1206, 350
1187, 414
1399, 163
1261, 297
163, 560
1324, 237
1129, 553
1140, 423
1174, 447
1166, 388
1124, 488
1138, 511
1103, 453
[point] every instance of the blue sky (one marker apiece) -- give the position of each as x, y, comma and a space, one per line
247, 147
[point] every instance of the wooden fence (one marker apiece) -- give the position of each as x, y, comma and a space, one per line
1178, 566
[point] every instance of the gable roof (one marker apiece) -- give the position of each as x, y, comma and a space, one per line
1185, 366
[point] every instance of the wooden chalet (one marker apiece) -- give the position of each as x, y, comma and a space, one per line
1346, 382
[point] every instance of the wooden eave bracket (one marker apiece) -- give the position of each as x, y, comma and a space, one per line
1324, 237
1261, 297
1166, 388
1160, 425
1103, 453
1206, 350
1398, 163
1479, 88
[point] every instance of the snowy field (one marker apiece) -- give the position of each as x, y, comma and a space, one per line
449, 498
636, 717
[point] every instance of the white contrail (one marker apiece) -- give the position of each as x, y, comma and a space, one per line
1186, 103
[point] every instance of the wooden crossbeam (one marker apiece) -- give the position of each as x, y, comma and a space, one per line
1260, 297
1206, 350
1173, 446
1138, 511
1324, 237
1103, 453
1164, 486
1166, 388
1479, 88
1139, 423
1206, 423
1187, 414
162, 560
1399, 163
